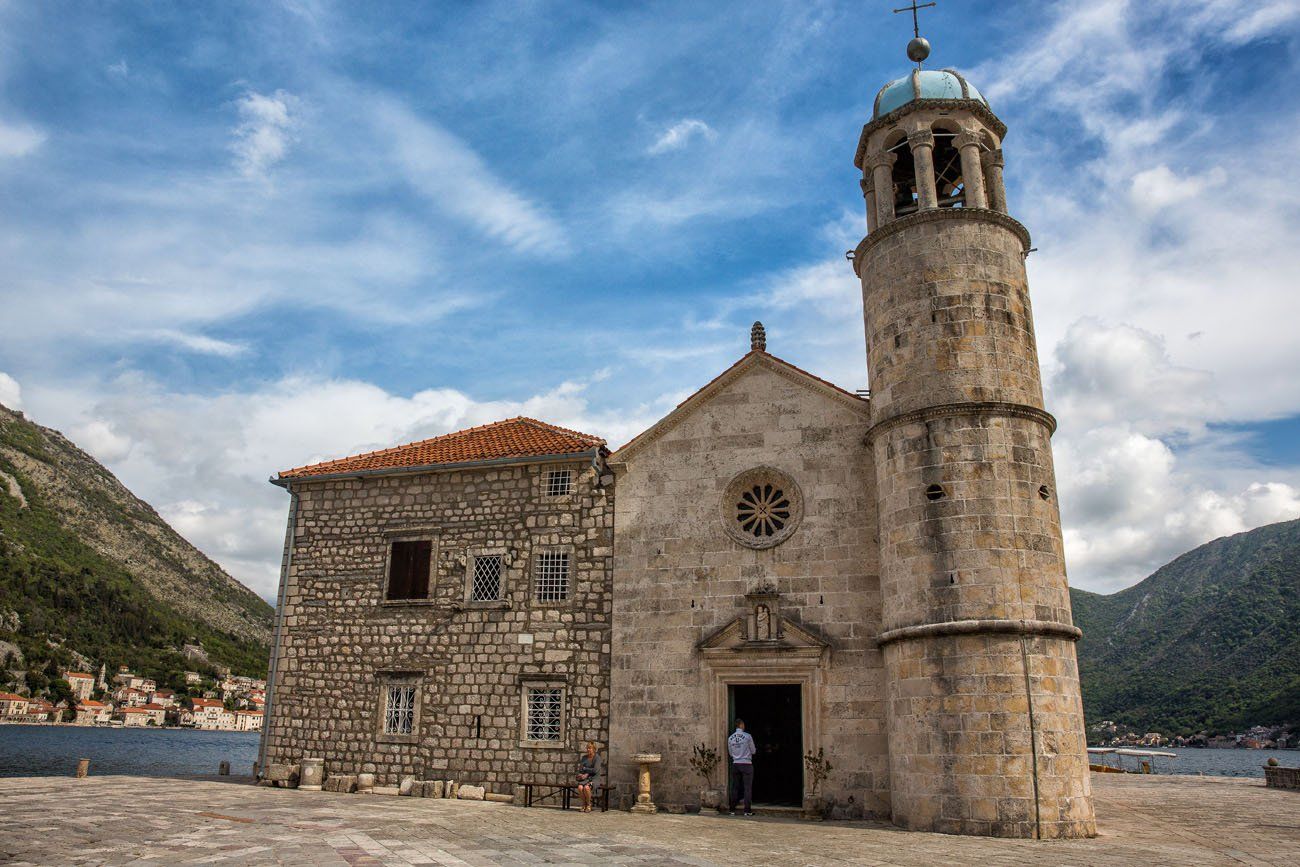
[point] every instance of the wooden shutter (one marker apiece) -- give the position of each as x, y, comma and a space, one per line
408, 569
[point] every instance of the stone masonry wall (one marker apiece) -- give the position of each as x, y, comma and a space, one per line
470, 660
678, 577
986, 730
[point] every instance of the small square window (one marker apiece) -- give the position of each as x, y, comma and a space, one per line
544, 713
399, 710
551, 576
408, 569
559, 482
486, 586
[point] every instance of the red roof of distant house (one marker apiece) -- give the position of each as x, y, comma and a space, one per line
254, 712
9, 696
90, 703
206, 702
163, 692
68, 674
513, 438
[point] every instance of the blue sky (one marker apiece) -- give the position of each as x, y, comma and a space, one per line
240, 237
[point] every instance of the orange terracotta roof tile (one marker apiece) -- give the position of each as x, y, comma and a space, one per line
78, 674
512, 438
9, 696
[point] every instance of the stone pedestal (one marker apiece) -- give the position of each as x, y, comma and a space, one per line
311, 774
644, 761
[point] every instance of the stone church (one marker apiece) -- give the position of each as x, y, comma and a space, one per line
880, 577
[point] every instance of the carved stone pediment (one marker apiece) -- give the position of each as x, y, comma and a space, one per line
787, 639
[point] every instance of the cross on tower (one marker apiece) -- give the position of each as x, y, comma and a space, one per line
914, 8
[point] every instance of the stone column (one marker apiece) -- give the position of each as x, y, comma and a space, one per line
643, 803
311, 774
992, 161
869, 193
882, 175
972, 172
922, 144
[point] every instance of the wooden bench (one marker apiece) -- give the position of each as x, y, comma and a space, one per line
536, 793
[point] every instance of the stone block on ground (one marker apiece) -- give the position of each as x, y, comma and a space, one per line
284, 776
449, 790
470, 793
345, 783
365, 782
405, 786
499, 797
436, 788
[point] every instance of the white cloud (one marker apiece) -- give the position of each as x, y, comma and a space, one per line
680, 134
265, 130
102, 441
1141, 477
19, 140
11, 395
120, 69
1160, 187
204, 460
452, 176
197, 343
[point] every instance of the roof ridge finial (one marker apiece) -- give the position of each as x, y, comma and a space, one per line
758, 338
919, 48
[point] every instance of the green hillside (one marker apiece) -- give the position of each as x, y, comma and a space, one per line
90, 574
1210, 641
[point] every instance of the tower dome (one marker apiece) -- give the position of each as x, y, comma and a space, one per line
924, 84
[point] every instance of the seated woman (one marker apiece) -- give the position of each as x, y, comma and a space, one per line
588, 774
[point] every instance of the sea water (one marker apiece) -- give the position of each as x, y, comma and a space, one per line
45, 750
53, 750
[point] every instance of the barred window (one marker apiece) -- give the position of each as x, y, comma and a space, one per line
559, 482
399, 710
551, 576
544, 713
486, 581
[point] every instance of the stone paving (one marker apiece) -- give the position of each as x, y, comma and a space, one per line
1151, 821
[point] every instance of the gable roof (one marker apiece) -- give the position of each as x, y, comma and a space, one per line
751, 359
517, 437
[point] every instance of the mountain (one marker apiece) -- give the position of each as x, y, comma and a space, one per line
90, 574
1210, 641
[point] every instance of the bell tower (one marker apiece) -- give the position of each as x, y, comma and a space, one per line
986, 732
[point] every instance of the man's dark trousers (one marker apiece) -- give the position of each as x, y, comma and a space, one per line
742, 783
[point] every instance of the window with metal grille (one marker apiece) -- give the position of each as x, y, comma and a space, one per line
486, 585
399, 710
559, 482
544, 713
408, 569
551, 576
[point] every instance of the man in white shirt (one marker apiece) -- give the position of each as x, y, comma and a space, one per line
741, 748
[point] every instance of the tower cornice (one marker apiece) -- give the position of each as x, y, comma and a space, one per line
930, 215
970, 407
973, 106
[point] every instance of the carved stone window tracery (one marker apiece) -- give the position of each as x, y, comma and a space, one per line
761, 508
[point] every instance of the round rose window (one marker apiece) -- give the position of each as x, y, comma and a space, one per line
761, 507
763, 510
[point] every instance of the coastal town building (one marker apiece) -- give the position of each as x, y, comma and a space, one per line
91, 712
130, 696
12, 705
83, 684
879, 580
39, 710
126, 678
163, 697
208, 713
248, 720
144, 715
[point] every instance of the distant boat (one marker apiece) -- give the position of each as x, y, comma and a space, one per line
1145, 760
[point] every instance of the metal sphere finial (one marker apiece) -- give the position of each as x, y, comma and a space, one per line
918, 49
